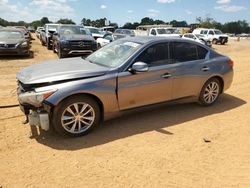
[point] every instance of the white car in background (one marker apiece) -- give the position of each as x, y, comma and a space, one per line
108, 38
162, 32
215, 35
95, 32
198, 38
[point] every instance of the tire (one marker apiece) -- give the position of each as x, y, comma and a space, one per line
60, 54
210, 92
48, 46
214, 41
70, 125
53, 47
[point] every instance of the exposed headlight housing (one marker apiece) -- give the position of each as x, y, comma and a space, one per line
24, 44
35, 98
64, 42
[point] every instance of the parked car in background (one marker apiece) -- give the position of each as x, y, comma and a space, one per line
38, 31
73, 40
95, 32
198, 38
13, 42
46, 36
162, 32
25, 31
108, 38
127, 32
31, 29
215, 35
108, 29
73, 95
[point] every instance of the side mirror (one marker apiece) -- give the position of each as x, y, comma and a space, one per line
139, 67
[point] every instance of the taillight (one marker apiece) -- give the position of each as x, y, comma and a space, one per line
230, 63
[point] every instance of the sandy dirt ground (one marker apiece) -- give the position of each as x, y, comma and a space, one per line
160, 147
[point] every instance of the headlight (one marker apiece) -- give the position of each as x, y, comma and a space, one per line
24, 44
35, 98
64, 42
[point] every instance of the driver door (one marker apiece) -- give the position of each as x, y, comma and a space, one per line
145, 88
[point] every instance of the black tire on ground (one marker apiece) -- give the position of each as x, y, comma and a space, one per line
54, 48
60, 109
48, 45
203, 100
215, 41
60, 54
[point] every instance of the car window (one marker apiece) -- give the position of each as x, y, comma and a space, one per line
155, 55
202, 52
211, 33
183, 51
204, 32
153, 32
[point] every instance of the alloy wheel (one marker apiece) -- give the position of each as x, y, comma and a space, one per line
78, 118
211, 93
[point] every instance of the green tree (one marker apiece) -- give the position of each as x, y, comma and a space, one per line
66, 21
44, 21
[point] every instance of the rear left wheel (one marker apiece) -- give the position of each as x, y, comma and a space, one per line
210, 92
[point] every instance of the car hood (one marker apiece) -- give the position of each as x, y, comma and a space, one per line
11, 41
60, 70
76, 37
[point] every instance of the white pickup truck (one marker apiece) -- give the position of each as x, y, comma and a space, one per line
214, 35
161, 32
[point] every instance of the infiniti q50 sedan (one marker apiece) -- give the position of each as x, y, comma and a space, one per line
74, 95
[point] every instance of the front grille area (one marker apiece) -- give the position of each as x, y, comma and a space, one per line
81, 45
7, 46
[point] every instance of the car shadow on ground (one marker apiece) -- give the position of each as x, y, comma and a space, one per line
17, 57
156, 118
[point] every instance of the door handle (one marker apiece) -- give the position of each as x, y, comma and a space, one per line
205, 69
167, 75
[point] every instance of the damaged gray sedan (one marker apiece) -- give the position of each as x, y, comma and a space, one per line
74, 95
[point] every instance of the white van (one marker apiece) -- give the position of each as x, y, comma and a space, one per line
215, 35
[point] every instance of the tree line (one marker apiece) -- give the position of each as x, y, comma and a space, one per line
34, 24
235, 27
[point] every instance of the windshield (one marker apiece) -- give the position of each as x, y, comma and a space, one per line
161, 31
52, 27
11, 35
114, 54
94, 30
68, 30
218, 32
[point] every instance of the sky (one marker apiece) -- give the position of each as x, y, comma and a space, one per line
122, 11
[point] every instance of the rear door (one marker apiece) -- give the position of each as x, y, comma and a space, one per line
150, 87
191, 68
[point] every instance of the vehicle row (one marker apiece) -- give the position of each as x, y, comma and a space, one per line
76, 40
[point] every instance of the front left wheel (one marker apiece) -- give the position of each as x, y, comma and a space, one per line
76, 116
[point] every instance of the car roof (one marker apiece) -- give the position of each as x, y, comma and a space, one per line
150, 39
